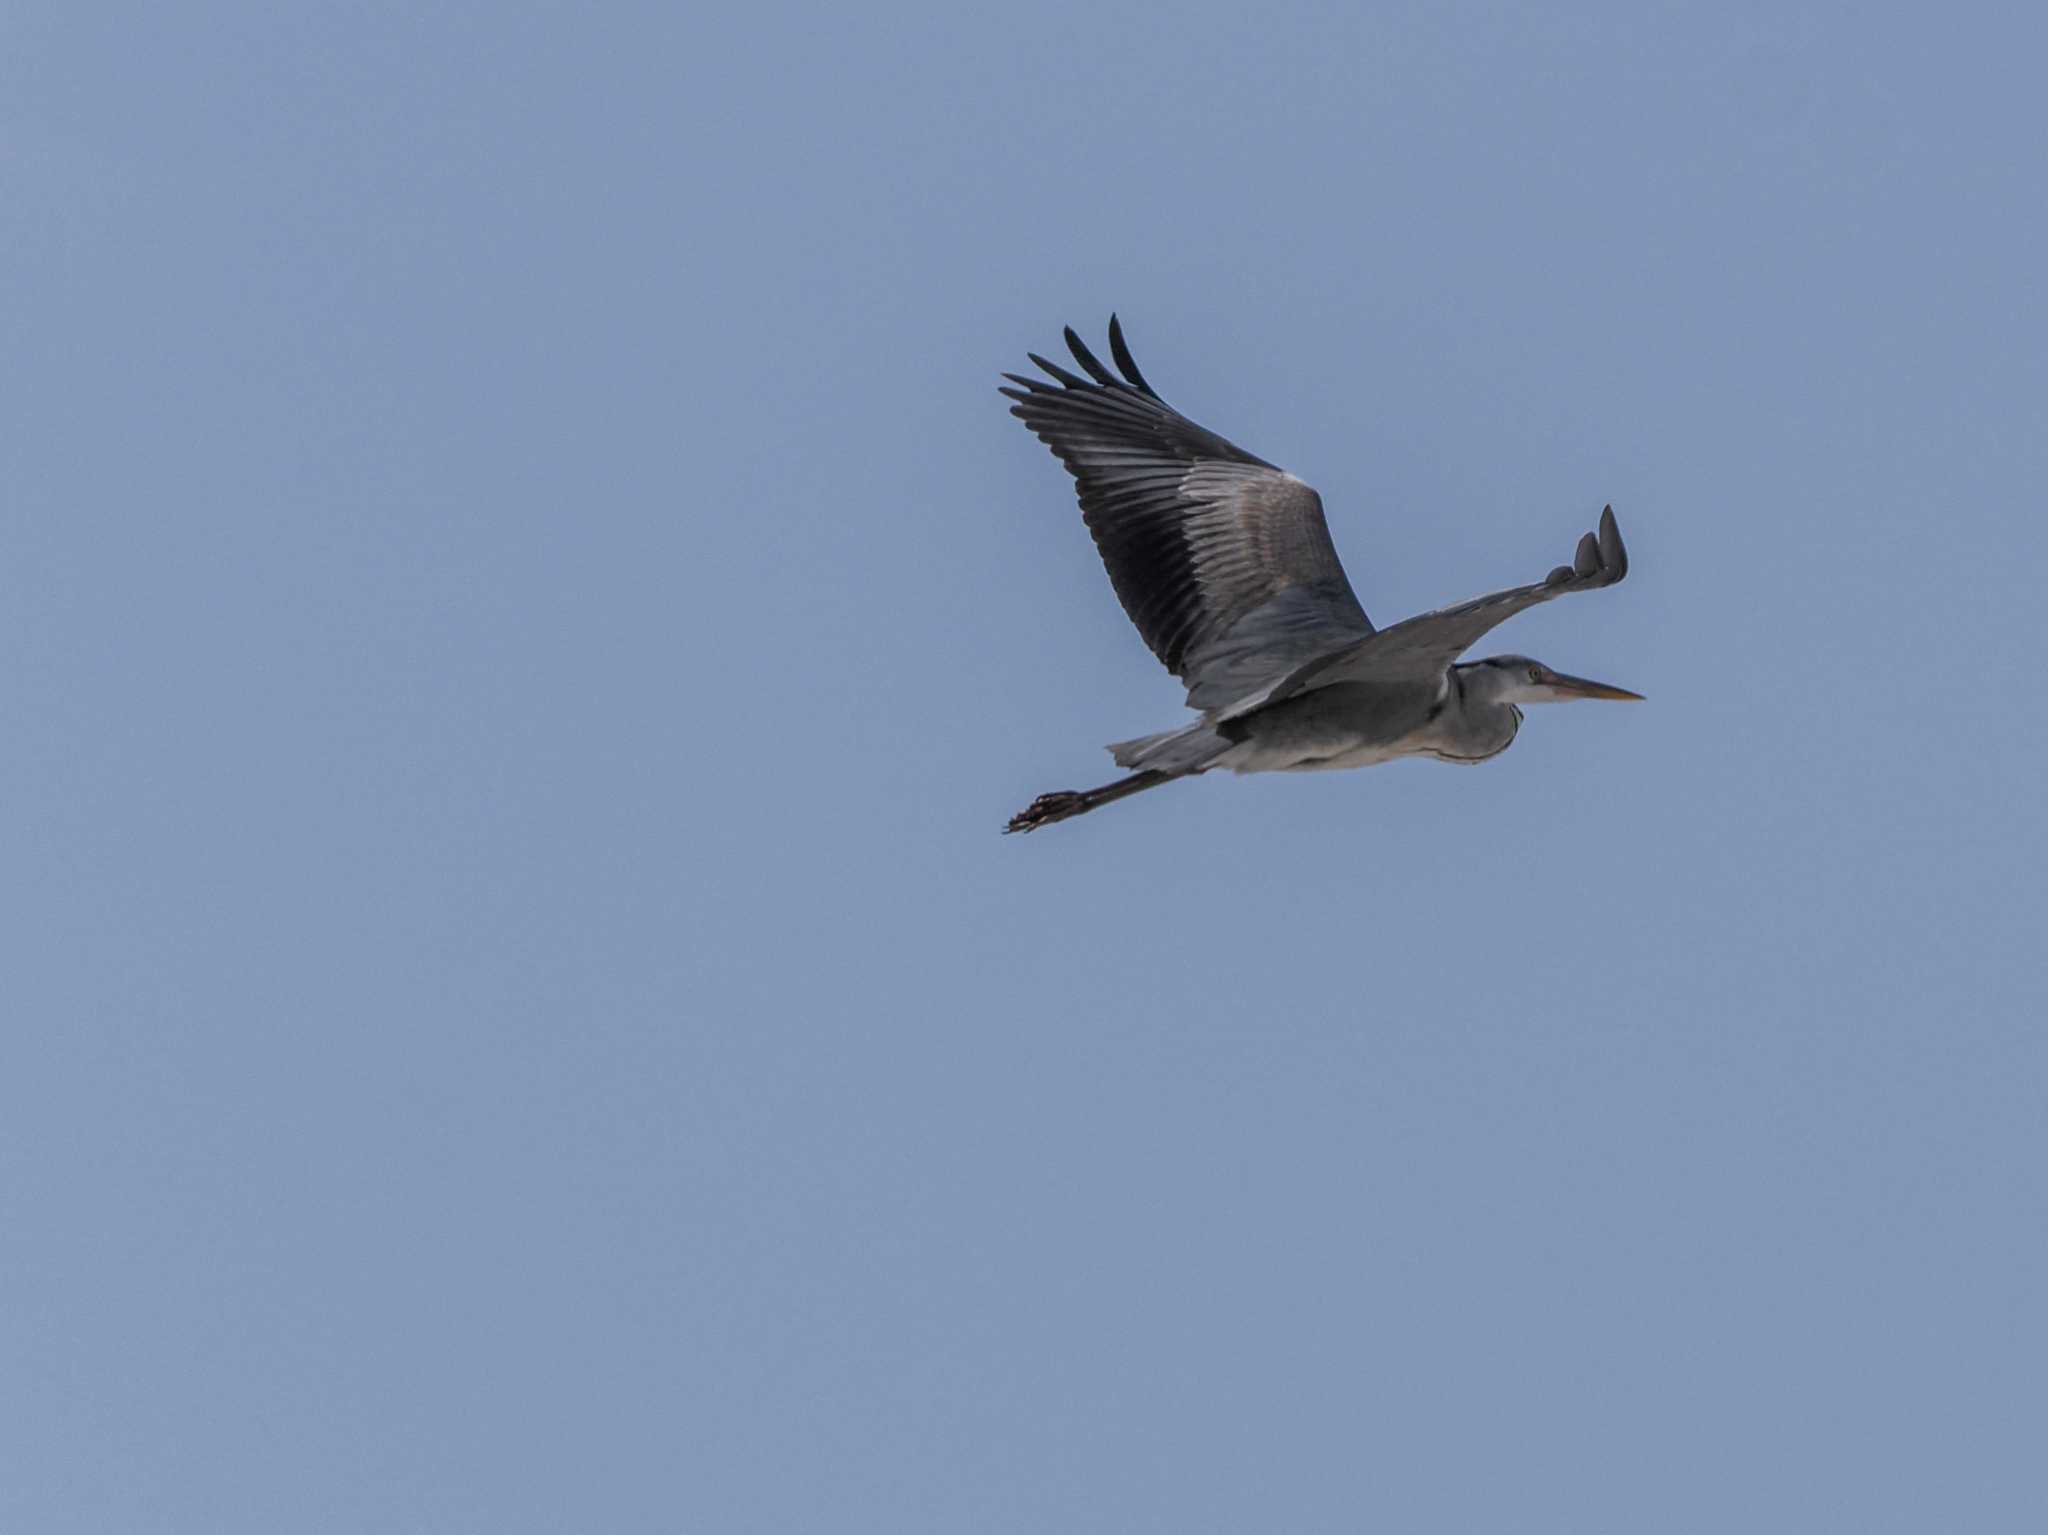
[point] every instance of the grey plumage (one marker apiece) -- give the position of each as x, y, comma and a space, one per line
1225, 564
1223, 561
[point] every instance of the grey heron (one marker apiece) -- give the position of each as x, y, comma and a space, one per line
1225, 564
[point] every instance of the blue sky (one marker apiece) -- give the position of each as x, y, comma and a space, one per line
522, 613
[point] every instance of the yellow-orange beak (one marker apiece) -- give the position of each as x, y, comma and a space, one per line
1580, 687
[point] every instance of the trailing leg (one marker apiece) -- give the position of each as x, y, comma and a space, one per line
1060, 804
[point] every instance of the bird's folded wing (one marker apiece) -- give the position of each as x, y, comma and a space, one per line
1424, 647
1223, 561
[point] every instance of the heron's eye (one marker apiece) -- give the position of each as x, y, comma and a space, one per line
1535, 674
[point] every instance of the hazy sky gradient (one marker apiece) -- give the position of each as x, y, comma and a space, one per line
522, 614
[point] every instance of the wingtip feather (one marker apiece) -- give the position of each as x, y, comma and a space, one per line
1586, 559
1120, 353
1087, 359
1071, 380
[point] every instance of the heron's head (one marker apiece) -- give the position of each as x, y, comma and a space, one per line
1519, 680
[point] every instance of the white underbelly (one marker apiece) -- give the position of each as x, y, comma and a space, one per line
1255, 757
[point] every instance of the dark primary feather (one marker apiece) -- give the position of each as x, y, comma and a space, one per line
1223, 561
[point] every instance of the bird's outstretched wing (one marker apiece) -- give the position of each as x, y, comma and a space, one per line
1423, 647
1222, 560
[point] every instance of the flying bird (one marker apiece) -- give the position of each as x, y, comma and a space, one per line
1225, 564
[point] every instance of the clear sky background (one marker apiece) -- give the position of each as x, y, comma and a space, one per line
522, 614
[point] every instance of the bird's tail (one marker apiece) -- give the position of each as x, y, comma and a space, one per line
1061, 804
1189, 749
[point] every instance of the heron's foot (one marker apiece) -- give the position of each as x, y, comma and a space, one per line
1048, 808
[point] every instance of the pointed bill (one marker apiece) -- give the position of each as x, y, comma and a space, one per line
1582, 687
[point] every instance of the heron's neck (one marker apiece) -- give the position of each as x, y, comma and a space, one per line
1474, 725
